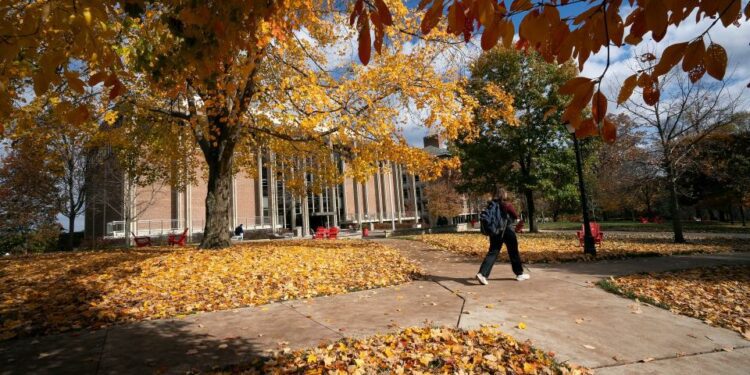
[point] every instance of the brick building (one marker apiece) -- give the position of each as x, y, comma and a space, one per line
262, 203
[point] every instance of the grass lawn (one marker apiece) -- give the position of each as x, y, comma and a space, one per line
629, 226
719, 296
415, 350
49, 293
554, 247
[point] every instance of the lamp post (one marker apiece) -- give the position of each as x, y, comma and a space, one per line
588, 240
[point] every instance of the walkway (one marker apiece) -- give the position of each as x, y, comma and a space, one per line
563, 311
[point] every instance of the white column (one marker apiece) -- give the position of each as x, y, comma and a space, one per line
335, 204
366, 200
305, 217
378, 201
272, 191
189, 208
234, 203
357, 205
259, 191
400, 191
383, 198
416, 202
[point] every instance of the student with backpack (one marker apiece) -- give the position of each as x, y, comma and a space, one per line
495, 222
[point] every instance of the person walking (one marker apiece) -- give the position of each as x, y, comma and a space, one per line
239, 232
507, 236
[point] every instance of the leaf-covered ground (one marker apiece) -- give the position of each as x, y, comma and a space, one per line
415, 351
50, 293
544, 248
719, 296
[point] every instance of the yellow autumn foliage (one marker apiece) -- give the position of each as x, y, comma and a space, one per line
719, 296
51, 293
544, 248
416, 350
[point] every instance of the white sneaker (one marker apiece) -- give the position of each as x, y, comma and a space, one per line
482, 279
523, 276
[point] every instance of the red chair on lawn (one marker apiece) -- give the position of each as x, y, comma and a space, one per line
174, 239
321, 233
333, 233
141, 241
596, 232
644, 220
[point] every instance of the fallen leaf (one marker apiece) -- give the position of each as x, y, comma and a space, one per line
522, 325
589, 347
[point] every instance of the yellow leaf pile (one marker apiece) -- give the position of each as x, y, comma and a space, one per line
550, 248
719, 296
414, 351
51, 293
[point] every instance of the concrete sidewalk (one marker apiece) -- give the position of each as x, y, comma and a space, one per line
563, 311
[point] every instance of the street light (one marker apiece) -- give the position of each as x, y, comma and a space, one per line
588, 240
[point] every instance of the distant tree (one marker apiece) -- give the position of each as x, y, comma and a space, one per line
28, 201
626, 174
687, 113
442, 200
527, 153
719, 175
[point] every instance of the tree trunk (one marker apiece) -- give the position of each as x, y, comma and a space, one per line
742, 215
530, 206
216, 232
731, 215
674, 207
71, 230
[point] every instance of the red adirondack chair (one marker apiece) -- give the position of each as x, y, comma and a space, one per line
333, 233
141, 241
321, 233
596, 232
174, 239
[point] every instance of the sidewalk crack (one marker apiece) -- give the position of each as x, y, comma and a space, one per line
670, 357
314, 320
101, 354
463, 301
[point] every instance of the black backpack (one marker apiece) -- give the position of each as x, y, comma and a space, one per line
493, 220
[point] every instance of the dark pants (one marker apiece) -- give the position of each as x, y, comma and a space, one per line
496, 242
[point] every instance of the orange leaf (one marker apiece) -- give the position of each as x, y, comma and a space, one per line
574, 84
117, 89
627, 89
432, 17
356, 12
96, 78
364, 40
716, 61
656, 19
490, 35
693, 55
609, 131
599, 106
732, 13
74, 82
520, 5
508, 32
384, 12
670, 58
485, 10
587, 128
697, 73
651, 94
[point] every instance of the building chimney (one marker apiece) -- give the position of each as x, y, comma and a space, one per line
431, 140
